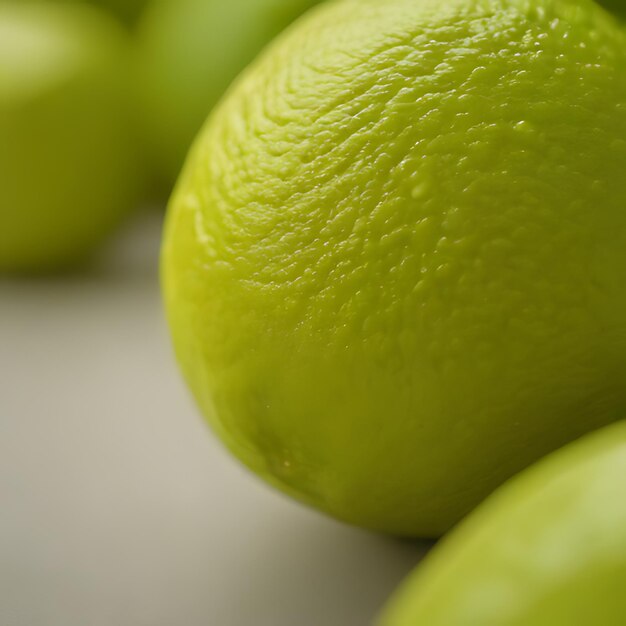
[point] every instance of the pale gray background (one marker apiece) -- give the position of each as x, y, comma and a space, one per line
118, 507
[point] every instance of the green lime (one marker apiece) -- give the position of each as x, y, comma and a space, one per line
69, 164
548, 549
394, 265
189, 52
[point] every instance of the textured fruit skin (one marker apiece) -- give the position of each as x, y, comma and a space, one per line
547, 549
189, 53
69, 163
394, 265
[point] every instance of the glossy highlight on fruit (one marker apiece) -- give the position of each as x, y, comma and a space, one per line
70, 164
547, 549
394, 264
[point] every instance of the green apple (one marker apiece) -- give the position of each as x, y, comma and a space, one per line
547, 549
70, 164
190, 51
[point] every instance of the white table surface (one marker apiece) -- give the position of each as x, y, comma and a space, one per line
117, 505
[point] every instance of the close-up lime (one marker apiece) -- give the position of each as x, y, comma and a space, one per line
548, 549
70, 162
394, 264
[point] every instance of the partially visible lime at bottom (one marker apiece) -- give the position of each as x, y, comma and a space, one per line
547, 549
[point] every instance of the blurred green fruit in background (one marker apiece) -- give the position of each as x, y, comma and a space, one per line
190, 51
69, 159
547, 549
394, 265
